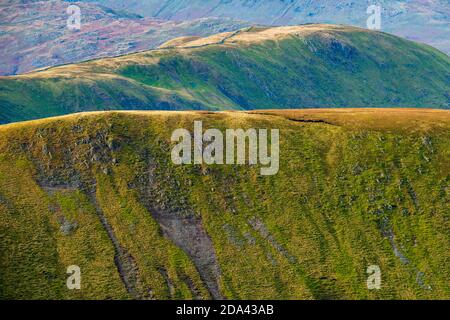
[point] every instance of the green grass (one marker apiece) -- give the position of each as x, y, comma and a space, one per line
332, 67
341, 186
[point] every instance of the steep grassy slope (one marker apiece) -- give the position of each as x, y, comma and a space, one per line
99, 190
286, 67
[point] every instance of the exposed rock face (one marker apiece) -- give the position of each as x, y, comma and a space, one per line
176, 219
188, 233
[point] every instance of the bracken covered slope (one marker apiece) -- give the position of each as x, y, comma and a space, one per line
311, 66
99, 190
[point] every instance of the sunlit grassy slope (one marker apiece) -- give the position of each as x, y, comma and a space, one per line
355, 188
255, 68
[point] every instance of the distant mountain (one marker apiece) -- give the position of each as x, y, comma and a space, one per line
426, 21
34, 34
312, 66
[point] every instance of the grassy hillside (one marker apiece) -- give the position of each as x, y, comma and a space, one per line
99, 190
308, 66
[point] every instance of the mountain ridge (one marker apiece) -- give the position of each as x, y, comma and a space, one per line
99, 190
255, 68
422, 21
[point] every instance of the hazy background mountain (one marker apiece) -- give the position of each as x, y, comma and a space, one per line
311, 66
426, 21
34, 34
